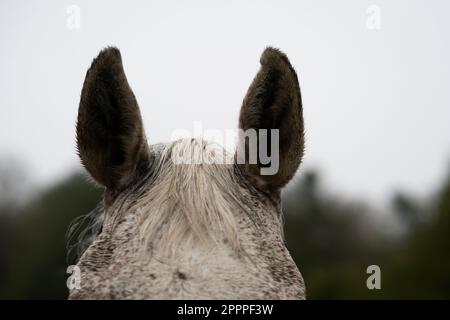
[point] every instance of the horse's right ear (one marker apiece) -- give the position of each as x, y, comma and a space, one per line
273, 104
110, 134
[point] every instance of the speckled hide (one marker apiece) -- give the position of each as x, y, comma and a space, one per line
197, 230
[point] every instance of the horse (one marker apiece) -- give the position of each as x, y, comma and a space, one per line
195, 228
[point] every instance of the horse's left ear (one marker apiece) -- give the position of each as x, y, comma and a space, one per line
273, 101
110, 135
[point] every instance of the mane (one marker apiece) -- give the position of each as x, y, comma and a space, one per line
192, 198
82, 232
188, 195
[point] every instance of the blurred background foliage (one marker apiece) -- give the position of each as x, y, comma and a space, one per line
332, 239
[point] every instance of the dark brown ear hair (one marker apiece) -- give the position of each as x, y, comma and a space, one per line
110, 135
273, 101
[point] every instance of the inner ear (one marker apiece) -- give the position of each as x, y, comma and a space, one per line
272, 108
110, 134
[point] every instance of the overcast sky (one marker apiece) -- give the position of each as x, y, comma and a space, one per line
376, 101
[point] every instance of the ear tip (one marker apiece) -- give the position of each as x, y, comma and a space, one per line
110, 51
108, 55
273, 57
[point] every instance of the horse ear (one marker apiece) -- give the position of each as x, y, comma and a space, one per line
110, 134
273, 101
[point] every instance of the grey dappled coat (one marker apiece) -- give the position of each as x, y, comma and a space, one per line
187, 231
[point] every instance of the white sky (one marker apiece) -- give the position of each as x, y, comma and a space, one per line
376, 102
